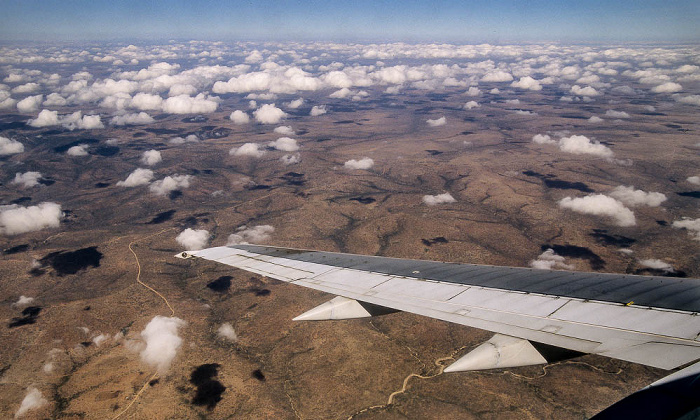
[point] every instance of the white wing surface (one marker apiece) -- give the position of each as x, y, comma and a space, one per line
643, 319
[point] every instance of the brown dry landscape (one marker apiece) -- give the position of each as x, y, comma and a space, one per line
99, 278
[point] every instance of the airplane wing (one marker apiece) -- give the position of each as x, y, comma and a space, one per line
643, 319
649, 320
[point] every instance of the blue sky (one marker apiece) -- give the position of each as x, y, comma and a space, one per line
362, 20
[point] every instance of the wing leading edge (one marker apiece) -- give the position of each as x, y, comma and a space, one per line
642, 319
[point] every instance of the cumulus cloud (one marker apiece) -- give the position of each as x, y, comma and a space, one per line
657, 264
285, 144
284, 130
497, 76
290, 159
30, 103
690, 99
151, 157
185, 104
255, 235
72, 121
695, 180
15, 219
295, 103
239, 117
31, 401
10, 147
162, 341
473, 91
632, 197
433, 200
140, 176
132, 119
147, 102
318, 110
192, 138
584, 91
364, 163
170, 183
692, 225
616, 114
600, 205
527, 83
23, 301
549, 260
668, 87
269, 114
248, 149
471, 105
543, 139
227, 332
79, 150
582, 145
595, 119
27, 179
193, 239
436, 122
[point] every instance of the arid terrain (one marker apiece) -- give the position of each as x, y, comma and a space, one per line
485, 183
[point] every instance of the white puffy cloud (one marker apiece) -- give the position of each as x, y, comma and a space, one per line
668, 87
595, 119
45, 118
15, 219
443, 198
296, 103
147, 102
690, 99
497, 76
692, 225
140, 176
471, 105
695, 180
549, 260
527, 83
255, 235
657, 264
72, 121
32, 400
151, 157
436, 122
284, 130
170, 183
285, 144
30, 103
473, 91
79, 150
318, 110
26, 88
227, 332
162, 341
579, 145
632, 197
185, 104
27, 179
10, 147
364, 163
248, 149
616, 114
132, 119
193, 239
23, 301
584, 91
269, 114
192, 138
543, 139
239, 117
600, 205
291, 159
